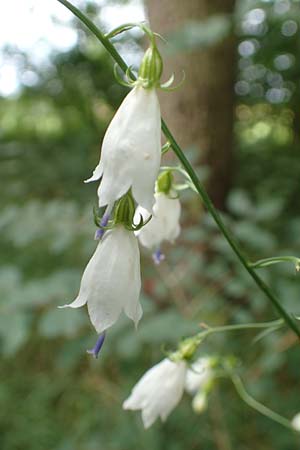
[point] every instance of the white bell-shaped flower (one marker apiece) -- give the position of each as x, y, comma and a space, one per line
111, 281
131, 150
158, 391
164, 224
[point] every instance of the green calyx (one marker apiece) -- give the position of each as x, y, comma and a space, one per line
124, 214
124, 211
186, 349
164, 182
151, 67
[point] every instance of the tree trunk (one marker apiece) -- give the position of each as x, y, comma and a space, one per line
201, 112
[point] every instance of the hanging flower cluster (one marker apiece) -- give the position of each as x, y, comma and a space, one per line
143, 205
138, 203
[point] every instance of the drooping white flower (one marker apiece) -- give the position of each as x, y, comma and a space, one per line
164, 224
111, 281
131, 150
296, 422
158, 391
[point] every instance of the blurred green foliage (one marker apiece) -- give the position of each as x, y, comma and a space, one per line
52, 395
199, 34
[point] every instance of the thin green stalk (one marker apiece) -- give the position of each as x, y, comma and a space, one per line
243, 326
188, 346
262, 409
198, 338
198, 185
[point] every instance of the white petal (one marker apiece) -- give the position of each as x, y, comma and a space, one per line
173, 389
114, 184
148, 417
132, 307
131, 149
151, 235
133, 310
164, 224
77, 303
89, 279
99, 274
149, 156
140, 212
97, 174
117, 279
198, 375
158, 391
168, 209
174, 233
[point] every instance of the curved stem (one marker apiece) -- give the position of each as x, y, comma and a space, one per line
275, 260
189, 169
226, 233
262, 409
243, 326
268, 326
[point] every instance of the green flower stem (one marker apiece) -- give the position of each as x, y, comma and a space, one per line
226, 233
198, 185
275, 260
189, 346
241, 326
262, 409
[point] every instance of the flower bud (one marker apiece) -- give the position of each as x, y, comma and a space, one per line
151, 68
164, 182
199, 402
